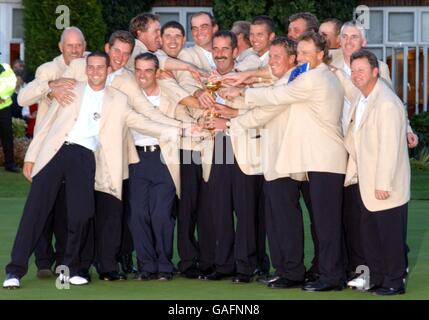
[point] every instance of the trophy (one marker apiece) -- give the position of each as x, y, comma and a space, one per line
212, 87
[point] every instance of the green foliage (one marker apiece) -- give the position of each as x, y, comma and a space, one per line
118, 13
42, 36
421, 162
226, 11
18, 127
420, 125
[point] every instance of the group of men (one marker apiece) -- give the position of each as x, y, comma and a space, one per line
128, 139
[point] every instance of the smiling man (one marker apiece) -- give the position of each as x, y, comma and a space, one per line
261, 34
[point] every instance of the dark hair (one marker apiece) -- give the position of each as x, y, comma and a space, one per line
266, 20
320, 43
141, 21
148, 56
310, 19
365, 54
202, 13
242, 27
227, 34
173, 24
98, 53
288, 44
123, 36
337, 24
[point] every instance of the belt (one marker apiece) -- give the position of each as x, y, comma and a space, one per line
148, 148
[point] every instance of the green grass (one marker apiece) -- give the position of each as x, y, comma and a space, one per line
13, 189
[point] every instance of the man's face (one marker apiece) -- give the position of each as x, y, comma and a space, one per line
119, 53
308, 53
280, 62
296, 28
260, 38
96, 70
223, 54
151, 38
202, 30
327, 30
362, 74
145, 73
72, 46
172, 41
351, 40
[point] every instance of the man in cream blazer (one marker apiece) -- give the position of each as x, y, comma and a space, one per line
316, 148
48, 82
378, 175
82, 144
247, 58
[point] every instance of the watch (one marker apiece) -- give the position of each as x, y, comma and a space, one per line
228, 124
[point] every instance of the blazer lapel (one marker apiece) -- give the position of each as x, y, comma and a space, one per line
80, 91
370, 103
202, 57
105, 110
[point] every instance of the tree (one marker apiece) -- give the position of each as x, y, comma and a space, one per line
226, 11
118, 13
42, 35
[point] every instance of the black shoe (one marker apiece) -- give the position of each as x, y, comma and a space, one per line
14, 169
165, 276
176, 271
84, 273
112, 276
382, 291
204, 273
318, 286
191, 273
215, 276
126, 263
241, 278
266, 279
145, 276
311, 276
260, 273
45, 274
284, 283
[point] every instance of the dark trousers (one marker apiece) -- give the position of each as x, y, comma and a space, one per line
305, 191
352, 217
76, 166
55, 226
326, 193
6, 136
263, 261
285, 227
152, 196
126, 247
233, 191
108, 229
190, 181
384, 244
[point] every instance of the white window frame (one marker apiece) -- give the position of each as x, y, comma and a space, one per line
401, 10
182, 11
420, 12
6, 9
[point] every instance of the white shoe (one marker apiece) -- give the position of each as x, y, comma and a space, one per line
11, 283
358, 283
78, 281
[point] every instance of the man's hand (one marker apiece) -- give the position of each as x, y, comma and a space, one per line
27, 169
225, 111
196, 72
382, 195
195, 131
211, 123
412, 139
231, 92
66, 83
164, 75
64, 96
236, 78
205, 98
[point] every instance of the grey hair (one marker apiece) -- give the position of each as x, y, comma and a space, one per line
356, 25
63, 35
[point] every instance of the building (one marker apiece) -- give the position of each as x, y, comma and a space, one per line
11, 31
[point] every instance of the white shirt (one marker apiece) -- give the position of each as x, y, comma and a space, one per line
346, 105
265, 58
209, 57
360, 110
87, 127
142, 140
112, 76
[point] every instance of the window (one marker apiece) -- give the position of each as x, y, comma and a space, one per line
401, 27
180, 14
425, 27
17, 24
375, 34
